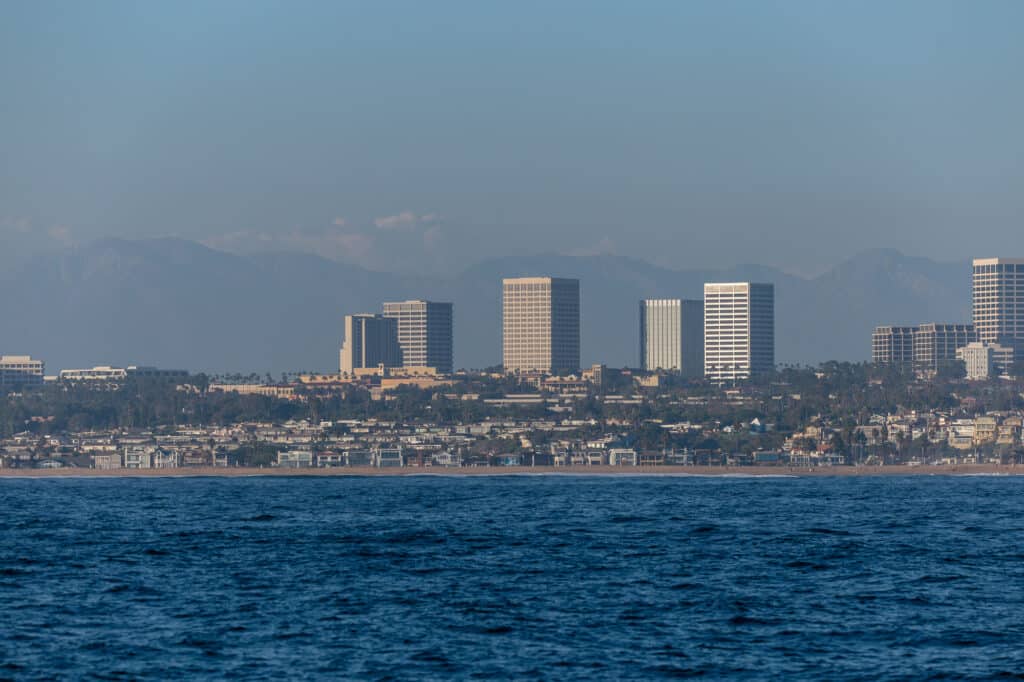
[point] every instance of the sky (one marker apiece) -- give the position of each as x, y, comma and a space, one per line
427, 136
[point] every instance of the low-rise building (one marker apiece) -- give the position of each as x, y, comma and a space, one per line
106, 460
622, 457
986, 429
284, 392
295, 459
985, 360
17, 371
387, 457
137, 458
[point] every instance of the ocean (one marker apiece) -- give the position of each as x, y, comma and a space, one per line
512, 577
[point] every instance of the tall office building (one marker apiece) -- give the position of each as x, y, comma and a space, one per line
672, 335
999, 301
424, 333
370, 341
893, 345
541, 324
739, 330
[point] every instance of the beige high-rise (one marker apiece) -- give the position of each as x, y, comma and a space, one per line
541, 324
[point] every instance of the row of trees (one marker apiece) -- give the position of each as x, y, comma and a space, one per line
846, 394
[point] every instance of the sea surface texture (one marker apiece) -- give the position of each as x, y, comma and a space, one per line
542, 577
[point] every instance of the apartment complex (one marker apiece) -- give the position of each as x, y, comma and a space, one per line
541, 325
424, 333
998, 301
370, 341
739, 330
672, 335
20, 370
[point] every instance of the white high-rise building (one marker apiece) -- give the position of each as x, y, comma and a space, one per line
998, 294
424, 333
541, 325
370, 341
739, 330
672, 335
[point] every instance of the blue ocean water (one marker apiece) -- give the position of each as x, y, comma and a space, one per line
557, 577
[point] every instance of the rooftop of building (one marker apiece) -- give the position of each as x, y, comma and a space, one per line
998, 261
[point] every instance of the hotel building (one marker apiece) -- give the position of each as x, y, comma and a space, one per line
541, 325
739, 330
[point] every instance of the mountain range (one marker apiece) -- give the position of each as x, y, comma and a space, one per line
177, 303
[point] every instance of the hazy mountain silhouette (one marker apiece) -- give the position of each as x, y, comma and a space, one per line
176, 303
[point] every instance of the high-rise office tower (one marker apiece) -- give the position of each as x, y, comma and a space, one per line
424, 333
541, 324
739, 330
999, 301
370, 341
672, 335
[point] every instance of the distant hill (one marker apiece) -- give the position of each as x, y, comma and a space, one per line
176, 303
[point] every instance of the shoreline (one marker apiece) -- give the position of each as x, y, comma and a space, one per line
602, 470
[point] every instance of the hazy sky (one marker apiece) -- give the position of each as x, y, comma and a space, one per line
424, 135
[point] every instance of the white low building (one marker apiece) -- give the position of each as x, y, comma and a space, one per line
20, 370
295, 459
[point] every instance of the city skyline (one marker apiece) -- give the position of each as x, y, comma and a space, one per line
926, 347
544, 326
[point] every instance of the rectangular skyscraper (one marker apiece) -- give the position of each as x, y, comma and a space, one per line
370, 341
672, 335
999, 301
739, 330
424, 333
541, 325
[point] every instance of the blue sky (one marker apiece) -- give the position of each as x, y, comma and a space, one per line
423, 136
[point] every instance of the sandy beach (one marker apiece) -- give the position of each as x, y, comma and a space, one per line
940, 470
